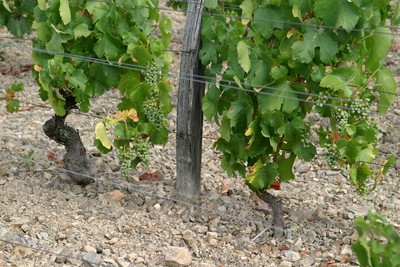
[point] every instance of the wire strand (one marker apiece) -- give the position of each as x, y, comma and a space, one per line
210, 14
201, 79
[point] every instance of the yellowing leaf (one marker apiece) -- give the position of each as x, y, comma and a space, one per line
247, 11
125, 114
42, 4
65, 12
37, 68
243, 55
101, 134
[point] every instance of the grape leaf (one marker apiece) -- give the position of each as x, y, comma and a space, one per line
212, 4
284, 98
349, 149
81, 30
77, 78
378, 45
243, 55
304, 51
339, 13
285, 168
267, 19
386, 85
42, 4
263, 176
105, 47
19, 26
65, 12
165, 26
208, 52
225, 129
55, 45
101, 135
336, 83
240, 114
13, 105
247, 11
306, 153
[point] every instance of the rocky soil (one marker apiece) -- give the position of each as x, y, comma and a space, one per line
45, 220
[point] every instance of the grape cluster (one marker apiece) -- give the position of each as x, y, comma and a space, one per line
342, 119
332, 155
152, 76
362, 188
360, 108
153, 112
128, 154
153, 105
125, 155
305, 139
142, 148
322, 98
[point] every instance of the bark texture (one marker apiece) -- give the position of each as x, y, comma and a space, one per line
75, 158
276, 205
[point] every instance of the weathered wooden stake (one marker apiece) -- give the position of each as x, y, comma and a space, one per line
190, 116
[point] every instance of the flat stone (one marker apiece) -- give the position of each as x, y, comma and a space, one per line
211, 235
77, 189
346, 250
89, 248
292, 256
92, 257
177, 257
20, 222
108, 263
189, 237
285, 264
3, 231
359, 210
122, 263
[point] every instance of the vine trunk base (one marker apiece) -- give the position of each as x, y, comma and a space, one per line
75, 158
276, 205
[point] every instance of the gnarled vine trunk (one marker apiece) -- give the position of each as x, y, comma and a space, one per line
276, 205
75, 159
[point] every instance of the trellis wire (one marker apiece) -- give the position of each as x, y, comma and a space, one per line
40, 105
213, 138
202, 79
41, 249
210, 13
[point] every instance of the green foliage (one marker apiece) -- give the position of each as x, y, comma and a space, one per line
17, 15
13, 103
94, 47
378, 244
277, 61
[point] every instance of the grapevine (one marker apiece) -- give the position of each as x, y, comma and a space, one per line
335, 67
86, 42
315, 62
153, 106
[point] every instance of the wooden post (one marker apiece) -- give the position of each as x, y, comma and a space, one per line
190, 116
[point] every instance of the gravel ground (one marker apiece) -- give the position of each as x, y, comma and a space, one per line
48, 221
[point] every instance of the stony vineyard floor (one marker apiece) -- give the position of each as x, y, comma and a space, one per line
48, 221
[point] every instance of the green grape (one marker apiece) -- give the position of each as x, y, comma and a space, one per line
322, 98
153, 106
125, 156
332, 155
152, 76
142, 148
341, 117
362, 188
360, 109
305, 138
153, 112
